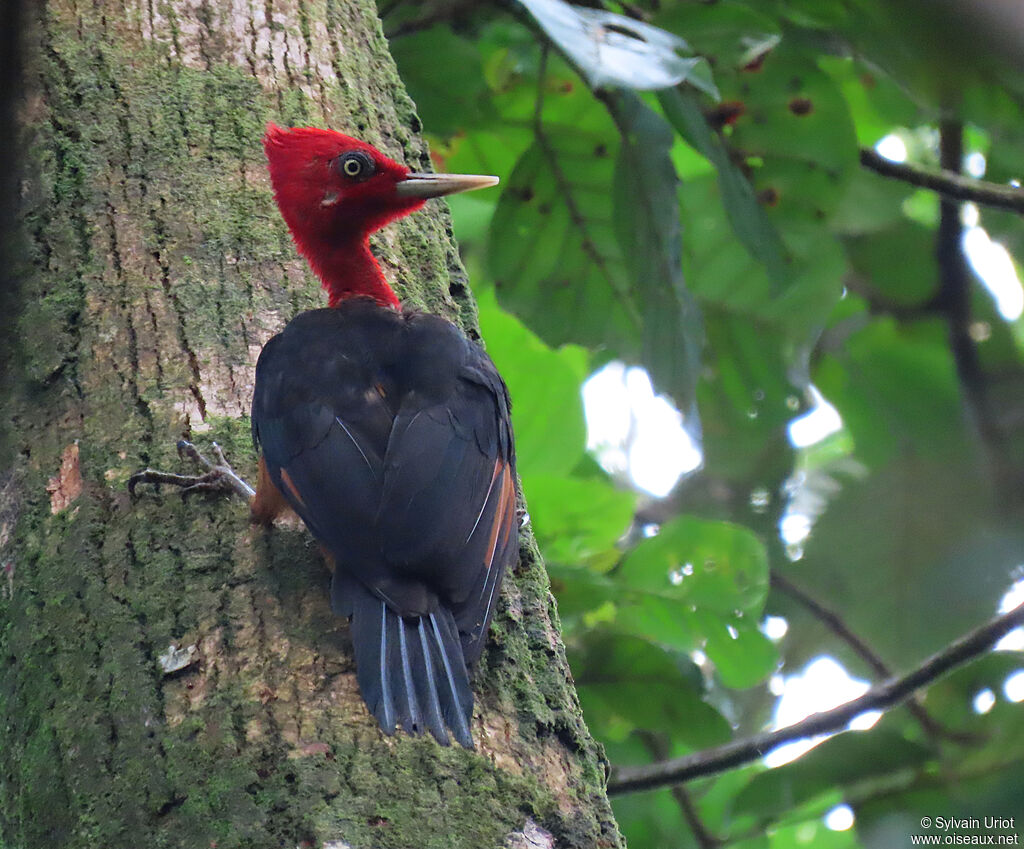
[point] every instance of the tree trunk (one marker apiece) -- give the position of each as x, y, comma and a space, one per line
157, 267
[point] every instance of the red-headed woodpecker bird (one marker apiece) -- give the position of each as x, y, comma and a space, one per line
388, 433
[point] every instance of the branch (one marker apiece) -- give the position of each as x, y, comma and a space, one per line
881, 697
945, 182
954, 296
954, 300
835, 623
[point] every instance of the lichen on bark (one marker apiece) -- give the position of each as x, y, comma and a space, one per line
159, 268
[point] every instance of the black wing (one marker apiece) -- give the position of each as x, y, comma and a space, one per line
390, 436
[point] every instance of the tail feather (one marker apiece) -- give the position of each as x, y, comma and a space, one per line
459, 708
386, 713
411, 670
405, 693
431, 699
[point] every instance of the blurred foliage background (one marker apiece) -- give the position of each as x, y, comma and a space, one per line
710, 211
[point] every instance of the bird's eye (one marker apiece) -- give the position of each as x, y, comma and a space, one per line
356, 165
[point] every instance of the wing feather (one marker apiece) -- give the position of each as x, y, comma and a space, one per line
390, 436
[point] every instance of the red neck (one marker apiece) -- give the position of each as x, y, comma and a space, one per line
348, 269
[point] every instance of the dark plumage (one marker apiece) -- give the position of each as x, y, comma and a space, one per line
389, 434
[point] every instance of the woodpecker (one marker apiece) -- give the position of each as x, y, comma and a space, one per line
388, 432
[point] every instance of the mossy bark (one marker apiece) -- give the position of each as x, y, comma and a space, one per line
157, 268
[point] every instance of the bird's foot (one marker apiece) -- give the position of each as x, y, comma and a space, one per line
216, 477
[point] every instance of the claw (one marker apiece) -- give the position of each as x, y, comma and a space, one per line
217, 477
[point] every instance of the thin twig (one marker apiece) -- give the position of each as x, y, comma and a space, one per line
538, 105
442, 13
831, 620
386, 8
881, 697
418, 24
630, 10
945, 182
704, 838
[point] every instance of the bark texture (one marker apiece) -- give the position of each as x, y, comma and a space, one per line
158, 266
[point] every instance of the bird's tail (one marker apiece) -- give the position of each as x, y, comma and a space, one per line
411, 671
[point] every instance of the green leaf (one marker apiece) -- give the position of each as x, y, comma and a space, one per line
728, 32
898, 262
878, 104
577, 519
647, 225
581, 591
895, 385
552, 249
787, 125
748, 395
716, 566
577, 266
747, 217
450, 95
626, 683
742, 655
697, 584
810, 832
872, 204
720, 271
659, 619
613, 50
548, 414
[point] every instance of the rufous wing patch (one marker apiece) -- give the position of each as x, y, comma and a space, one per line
286, 479
504, 515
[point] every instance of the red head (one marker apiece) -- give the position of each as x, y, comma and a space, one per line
334, 191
